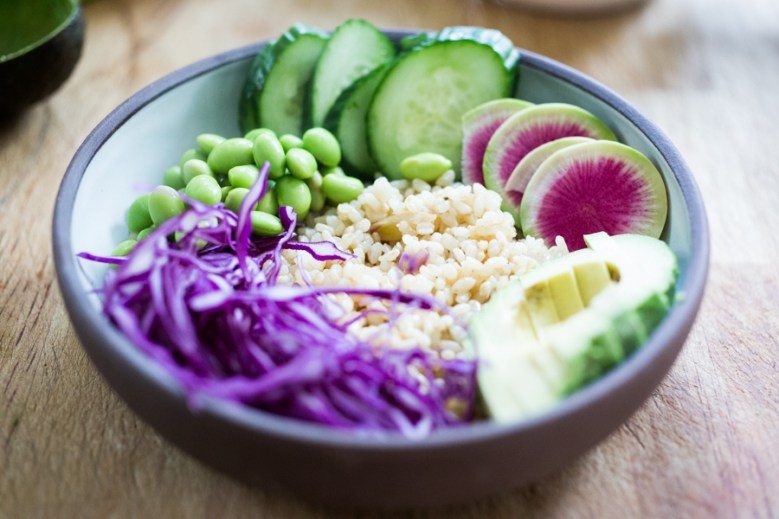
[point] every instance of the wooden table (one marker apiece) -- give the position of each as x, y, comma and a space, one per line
705, 444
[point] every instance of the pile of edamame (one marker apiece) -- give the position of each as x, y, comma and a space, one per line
304, 175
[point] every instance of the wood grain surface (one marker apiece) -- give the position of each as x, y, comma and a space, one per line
705, 444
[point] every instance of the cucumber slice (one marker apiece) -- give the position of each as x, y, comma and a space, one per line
494, 38
346, 120
275, 89
418, 106
355, 48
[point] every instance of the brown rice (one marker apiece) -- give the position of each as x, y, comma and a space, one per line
471, 244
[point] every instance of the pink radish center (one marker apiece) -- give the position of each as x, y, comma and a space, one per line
475, 148
531, 138
515, 197
602, 194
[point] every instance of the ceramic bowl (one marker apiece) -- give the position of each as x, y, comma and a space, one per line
130, 149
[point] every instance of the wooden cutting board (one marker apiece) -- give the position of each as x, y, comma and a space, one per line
705, 444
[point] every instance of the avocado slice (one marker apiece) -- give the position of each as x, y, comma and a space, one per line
569, 321
40, 44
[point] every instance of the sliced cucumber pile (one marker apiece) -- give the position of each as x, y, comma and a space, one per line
355, 48
495, 39
346, 120
382, 108
275, 91
419, 105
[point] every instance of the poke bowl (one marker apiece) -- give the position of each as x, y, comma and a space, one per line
126, 154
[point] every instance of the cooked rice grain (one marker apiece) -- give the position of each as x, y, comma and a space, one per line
471, 244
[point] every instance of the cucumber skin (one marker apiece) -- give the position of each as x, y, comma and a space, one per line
308, 108
333, 119
260, 68
508, 89
495, 39
247, 107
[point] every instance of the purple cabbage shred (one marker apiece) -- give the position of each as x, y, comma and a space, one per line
207, 307
411, 263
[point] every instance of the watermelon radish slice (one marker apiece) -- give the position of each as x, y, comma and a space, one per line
520, 177
479, 124
526, 130
593, 187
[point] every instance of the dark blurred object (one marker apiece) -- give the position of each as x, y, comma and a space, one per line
40, 44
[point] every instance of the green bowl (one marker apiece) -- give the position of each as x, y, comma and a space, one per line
40, 44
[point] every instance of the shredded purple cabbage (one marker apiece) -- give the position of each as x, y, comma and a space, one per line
411, 263
208, 308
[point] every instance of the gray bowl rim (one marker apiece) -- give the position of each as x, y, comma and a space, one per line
85, 316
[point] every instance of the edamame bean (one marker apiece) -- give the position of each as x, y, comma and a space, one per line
225, 191
193, 168
317, 200
289, 141
124, 248
315, 182
294, 192
315, 186
205, 189
235, 197
230, 153
208, 141
301, 163
243, 176
190, 154
264, 224
252, 134
268, 148
340, 188
172, 177
425, 166
164, 203
138, 217
268, 203
323, 146
145, 232
179, 235
333, 171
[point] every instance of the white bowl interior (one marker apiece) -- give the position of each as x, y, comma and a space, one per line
133, 159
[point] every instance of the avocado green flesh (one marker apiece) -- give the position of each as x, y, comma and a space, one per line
569, 321
26, 24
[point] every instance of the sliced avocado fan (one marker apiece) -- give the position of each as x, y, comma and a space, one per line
567, 322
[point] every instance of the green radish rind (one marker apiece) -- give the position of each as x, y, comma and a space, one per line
264, 105
346, 120
527, 167
477, 123
354, 49
554, 168
540, 113
508, 105
533, 160
417, 83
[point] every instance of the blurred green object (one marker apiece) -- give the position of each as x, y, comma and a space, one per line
40, 44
